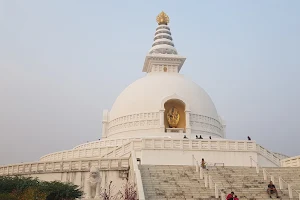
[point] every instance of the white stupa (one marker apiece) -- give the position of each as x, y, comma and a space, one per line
141, 109
156, 121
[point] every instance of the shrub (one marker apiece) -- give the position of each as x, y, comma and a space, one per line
7, 197
28, 188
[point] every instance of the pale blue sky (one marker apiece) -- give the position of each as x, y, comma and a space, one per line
63, 62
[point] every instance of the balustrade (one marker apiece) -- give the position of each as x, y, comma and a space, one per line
71, 165
291, 162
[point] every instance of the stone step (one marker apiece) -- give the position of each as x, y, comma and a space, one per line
182, 182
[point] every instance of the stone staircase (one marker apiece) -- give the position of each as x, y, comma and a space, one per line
173, 183
244, 181
290, 174
183, 182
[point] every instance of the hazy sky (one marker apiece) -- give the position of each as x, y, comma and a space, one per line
63, 62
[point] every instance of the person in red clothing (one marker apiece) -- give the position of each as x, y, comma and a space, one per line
235, 198
230, 196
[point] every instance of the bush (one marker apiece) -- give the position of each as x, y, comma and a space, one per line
7, 197
24, 188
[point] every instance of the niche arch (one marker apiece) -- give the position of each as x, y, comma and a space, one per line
180, 107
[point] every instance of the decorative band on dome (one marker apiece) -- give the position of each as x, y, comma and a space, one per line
163, 36
162, 27
163, 31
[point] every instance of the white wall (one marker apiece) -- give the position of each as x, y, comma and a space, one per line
291, 162
79, 178
264, 162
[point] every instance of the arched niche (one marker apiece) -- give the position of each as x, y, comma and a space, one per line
181, 108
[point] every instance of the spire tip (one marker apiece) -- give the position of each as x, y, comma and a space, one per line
162, 18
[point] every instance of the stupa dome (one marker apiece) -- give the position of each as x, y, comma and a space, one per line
164, 102
137, 110
148, 94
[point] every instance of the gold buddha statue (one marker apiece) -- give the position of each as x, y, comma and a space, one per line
173, 117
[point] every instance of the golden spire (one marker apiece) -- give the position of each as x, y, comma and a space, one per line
162, 18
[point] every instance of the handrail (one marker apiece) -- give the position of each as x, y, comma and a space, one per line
290, 188
161, 143
196, 163
280, 179
256, 164
123, 149
137, 176
219, 163
102, 152
268, 154
265, 175
210, 182
71, 154
111, 142
64, 166
217, 189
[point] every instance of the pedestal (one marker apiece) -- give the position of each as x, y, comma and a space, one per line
175, 130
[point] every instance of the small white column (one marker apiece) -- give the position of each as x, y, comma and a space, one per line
272, 179
210, 183
280, 183
264, 174
188, 123
201, 172
216, 191
290, 191
162, 120
206, 180
104, 123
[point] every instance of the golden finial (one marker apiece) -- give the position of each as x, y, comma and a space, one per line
162, 18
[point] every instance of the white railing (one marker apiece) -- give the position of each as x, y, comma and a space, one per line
89, 150
208, 180
158, 143
195, 163
64, 166
255, 164
218, 191
268, 154
136, 176
281, 181
125, 149
104, 143
178, 144
77, 153
111, 142
291, 162
216, 145
280, 155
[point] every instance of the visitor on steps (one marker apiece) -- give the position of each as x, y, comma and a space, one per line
196, 136
203, 164
272, 189
185, 137
235, 198
249, 138
200, 137
230, 196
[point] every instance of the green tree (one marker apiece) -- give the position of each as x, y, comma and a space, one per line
28, 188
7, 197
